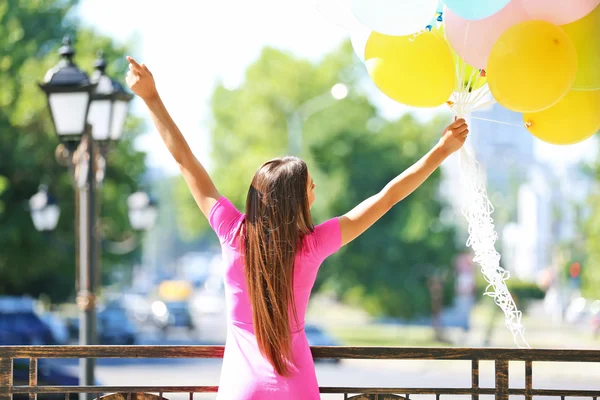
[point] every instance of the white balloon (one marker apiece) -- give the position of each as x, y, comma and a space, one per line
337, 12
395, 17
359, 36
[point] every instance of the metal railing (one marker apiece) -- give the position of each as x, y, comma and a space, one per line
500, 357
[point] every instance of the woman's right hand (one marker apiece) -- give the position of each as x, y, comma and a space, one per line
140, 80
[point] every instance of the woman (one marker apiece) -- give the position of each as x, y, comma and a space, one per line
273, 252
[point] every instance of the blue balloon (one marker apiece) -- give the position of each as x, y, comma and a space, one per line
476, 9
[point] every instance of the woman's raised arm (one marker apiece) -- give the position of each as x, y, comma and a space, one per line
141, 82
361, 217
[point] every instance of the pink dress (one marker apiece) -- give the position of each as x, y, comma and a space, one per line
246, 374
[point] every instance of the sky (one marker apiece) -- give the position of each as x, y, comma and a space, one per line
189, 45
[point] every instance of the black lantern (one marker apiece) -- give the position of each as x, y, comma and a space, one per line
143, 211
69, 92
44, 210
110, 105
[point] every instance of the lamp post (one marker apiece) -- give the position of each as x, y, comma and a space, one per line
85, 112
297, 118
143, 212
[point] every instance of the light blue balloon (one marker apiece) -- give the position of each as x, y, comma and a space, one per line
440, 8
476, 9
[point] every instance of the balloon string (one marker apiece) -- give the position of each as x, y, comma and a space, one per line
477, 207
478, 210
499, 122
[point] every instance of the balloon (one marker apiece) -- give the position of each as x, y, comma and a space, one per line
559, 12
473, 40
532, 66
395, 17
337, 12
416, 71
585, 34
359, 43
359, 35
437, 19
471, 77
571, 120
476, 9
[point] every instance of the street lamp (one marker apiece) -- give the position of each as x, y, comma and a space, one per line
110, 105
69, 91
297, 118
44, 210
85, 112
142, 211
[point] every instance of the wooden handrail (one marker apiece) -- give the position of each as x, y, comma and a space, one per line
500, 356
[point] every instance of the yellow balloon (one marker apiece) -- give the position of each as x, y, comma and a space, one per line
532, 66
585, 34
414, 70
573, 119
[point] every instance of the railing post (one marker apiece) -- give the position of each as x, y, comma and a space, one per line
501, 379
475, 379
528, 379
6, 378
33, 370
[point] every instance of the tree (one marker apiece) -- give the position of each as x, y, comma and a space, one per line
386, 269
30, 262
590, 269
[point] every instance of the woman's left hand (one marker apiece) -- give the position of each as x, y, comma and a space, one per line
454, 136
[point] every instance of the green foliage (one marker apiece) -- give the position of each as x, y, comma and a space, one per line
30, 262
590, 270
586, 248
3, 187
190, 222
522, 292
386, 269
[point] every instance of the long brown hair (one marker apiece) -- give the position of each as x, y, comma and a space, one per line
277, 216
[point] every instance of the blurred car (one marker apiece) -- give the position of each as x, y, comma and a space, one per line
21, 325
168, 314
179, 314
49, 374
114, 327
316, 336
58, 326
137, 307
73, 327
171, 307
